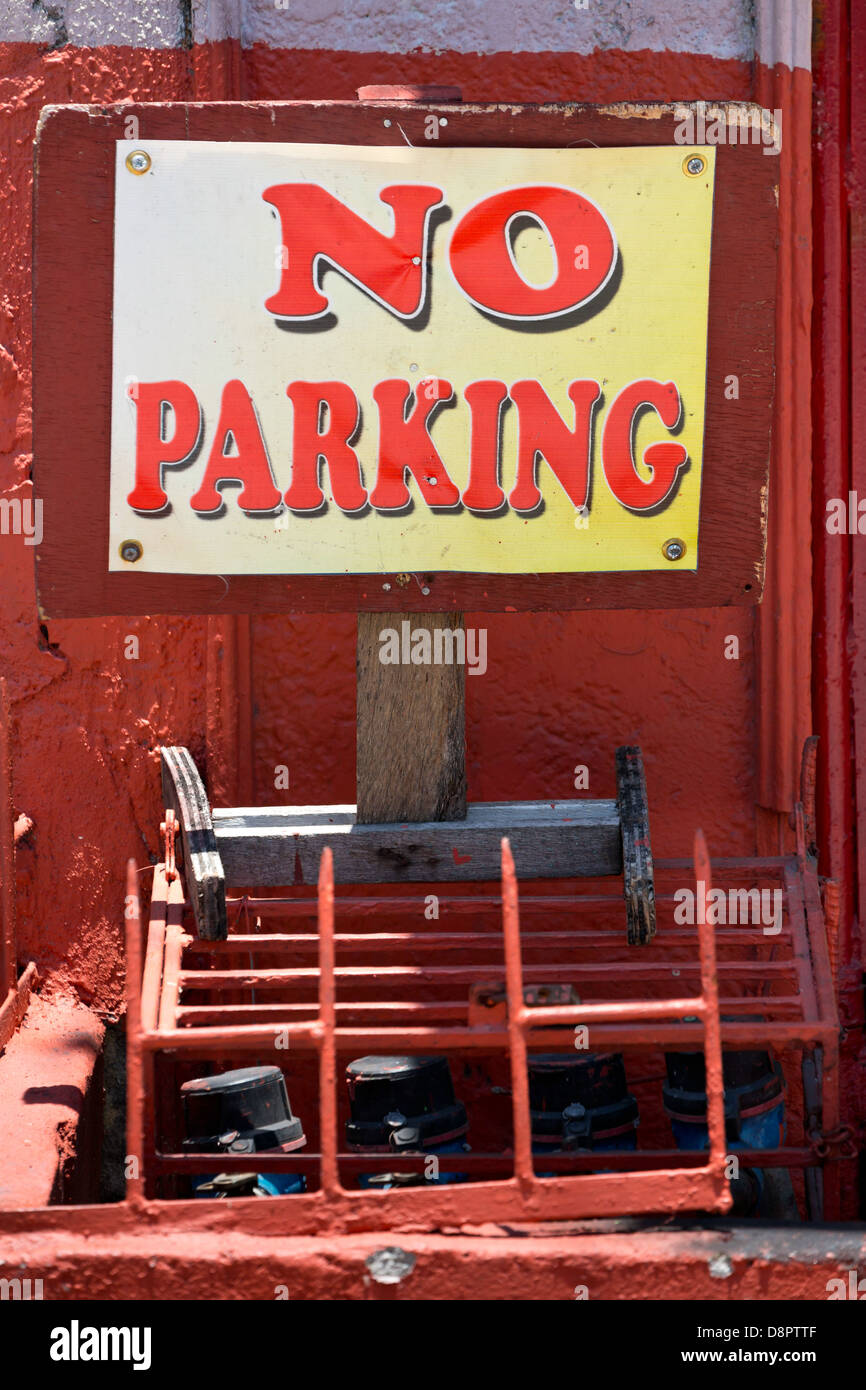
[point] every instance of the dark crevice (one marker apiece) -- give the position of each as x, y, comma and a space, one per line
46, 645
185, 23
54, 14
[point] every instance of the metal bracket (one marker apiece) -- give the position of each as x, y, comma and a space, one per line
168, 831
488, 1003
637, 860
842, 1139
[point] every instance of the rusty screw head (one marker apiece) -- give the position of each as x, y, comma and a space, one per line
131, 551
694, 165
138, 162
674, 549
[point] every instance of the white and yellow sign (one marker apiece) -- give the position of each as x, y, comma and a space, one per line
339, 360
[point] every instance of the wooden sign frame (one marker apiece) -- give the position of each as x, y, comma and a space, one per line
73, 279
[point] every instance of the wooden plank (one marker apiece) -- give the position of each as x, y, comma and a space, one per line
73, 276
184, 793
410, 727
637, 859
283, 844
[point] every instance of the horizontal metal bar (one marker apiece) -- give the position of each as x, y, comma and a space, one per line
484, 940
388, 1011
618, 1160
570, 1197
382, 905
299, 1035
624, 1036
275, 976
631, 1011
394, 1012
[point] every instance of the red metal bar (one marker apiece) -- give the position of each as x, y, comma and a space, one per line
715, 1086
633, 1010
487, 1164
802, 953
175, 939
8, 957
330, 1177
275, 977
784, 620
301, 1035
135, 1097
833, 158
155, 951
854, 176
396, 1012
523, 1170
383, 905
623, 1035
403, 1011
491, 939
826, 1003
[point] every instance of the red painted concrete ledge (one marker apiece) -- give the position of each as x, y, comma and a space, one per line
46, 1080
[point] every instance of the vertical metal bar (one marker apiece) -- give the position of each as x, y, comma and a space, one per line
824, 1104
802, 958
712, 1025
154, 961
330, 1178
171, 977
155, 951
8, 959
523, 1171
176, 940
134, 1076
784, 619
152, 979
148, 1124
852, 78
830, 1114
813, 1177
839, 176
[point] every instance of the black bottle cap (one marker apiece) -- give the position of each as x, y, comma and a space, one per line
242, 1111
402, 1102
574, 1100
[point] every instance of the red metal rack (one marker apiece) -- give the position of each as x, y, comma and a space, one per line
477, 989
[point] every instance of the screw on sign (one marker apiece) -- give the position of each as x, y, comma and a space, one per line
138, 162
674, 549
